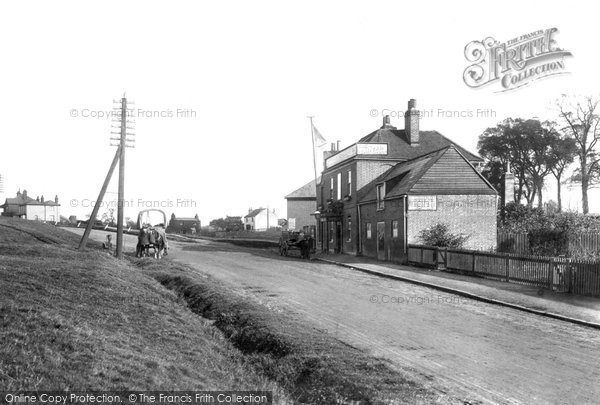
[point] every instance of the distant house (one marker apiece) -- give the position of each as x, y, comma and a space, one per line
184, 225
301, 206
261, 219
23, 206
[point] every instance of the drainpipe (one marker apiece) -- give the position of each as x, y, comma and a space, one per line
358, 239
405, 225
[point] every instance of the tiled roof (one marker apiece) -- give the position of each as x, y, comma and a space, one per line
399, 147
254, 213
404, 177
26, 200
306, 191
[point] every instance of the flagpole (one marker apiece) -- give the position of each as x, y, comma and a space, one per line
312, 133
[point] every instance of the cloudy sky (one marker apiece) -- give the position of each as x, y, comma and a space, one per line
244, 76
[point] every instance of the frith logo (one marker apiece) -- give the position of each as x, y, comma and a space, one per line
515, 63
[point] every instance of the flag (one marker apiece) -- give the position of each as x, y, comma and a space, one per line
317, 137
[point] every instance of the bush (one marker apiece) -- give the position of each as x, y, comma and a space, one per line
439, 235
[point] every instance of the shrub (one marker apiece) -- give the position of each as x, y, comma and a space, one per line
439, 235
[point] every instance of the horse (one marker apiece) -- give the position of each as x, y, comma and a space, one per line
143, 245
155, 238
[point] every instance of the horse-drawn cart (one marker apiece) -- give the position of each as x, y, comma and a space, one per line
293, 240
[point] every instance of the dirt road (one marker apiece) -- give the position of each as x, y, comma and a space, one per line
474, 351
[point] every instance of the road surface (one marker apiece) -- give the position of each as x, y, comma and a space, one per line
477, 352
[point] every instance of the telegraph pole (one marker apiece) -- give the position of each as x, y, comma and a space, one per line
125, 140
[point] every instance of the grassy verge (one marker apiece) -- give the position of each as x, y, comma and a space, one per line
72, 320
311, 365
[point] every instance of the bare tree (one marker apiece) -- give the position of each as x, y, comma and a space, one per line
582, 123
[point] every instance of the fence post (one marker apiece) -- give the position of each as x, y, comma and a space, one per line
473, 267
422, 250
507, 266
551, 273
571, 275
445, 258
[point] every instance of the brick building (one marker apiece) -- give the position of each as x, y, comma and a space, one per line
23, 206
184, 225
301, 207
379, 193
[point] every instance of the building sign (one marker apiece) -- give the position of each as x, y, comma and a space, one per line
341, 156
516, 62
357, 149
422, 203
371, 148
291, 224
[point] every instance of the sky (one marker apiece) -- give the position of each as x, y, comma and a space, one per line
222, 90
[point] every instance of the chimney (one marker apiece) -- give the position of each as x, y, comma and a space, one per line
24, 193
411, 122
42, 198
508, 189
56, 199
386, 122
337, 145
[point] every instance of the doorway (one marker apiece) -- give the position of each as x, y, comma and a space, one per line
380, 240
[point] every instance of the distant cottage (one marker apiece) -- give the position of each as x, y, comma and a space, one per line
261, 219
184, 225
23, 206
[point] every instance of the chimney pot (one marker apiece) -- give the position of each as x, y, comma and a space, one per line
411, 122
386, 121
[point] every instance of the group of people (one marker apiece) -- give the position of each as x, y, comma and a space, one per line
152, 237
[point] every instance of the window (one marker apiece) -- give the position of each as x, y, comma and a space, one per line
368, 231
339, 186
349, 183
349, 229
331, 188
394, 229
380, 196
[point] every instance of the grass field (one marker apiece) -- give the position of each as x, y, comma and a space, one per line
76, 320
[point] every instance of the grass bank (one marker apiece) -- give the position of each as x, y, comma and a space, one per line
72, 320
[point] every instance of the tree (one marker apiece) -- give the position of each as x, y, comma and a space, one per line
228, 224
108, 217
439, 235
562, 153
525, 145
582, 123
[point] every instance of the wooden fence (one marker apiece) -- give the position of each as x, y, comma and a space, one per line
584, 243
580, 277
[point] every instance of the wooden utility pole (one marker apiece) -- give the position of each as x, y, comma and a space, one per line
121, 202
92, 219
120, 113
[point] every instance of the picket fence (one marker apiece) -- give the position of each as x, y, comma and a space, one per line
567, 275
581, 243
